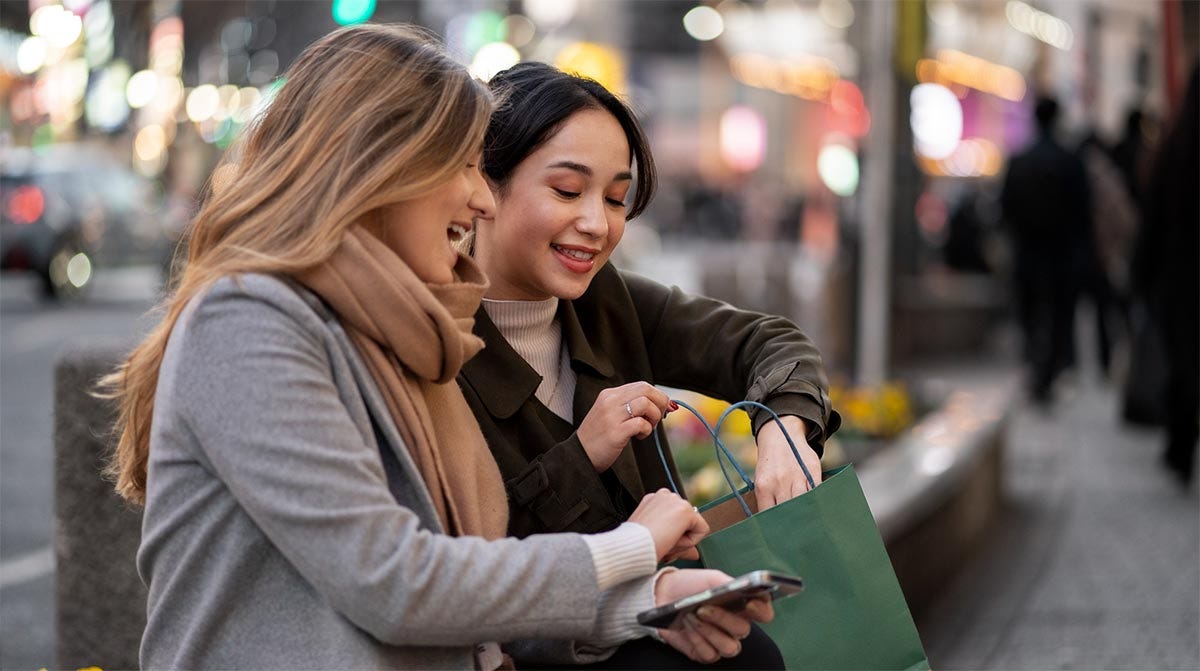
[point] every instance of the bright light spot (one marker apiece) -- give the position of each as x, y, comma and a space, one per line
43, 19
838, 167
518, 30
168, 96
248, 99
202, 102
348, 12
150, 142
597, 61
59, 26
493, 58
79, 270
743, 138
550, 14
107, 107
936, 460
31, 55
703, 23
141, 89
936, 120
836, 13
227, 101
1040, 25
77, 6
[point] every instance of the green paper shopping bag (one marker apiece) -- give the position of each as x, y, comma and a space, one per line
852, 614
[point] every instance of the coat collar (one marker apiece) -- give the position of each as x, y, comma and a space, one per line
504, 381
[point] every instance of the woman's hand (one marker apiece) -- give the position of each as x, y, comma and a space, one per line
674, 524
711, 632
778, 477
619, 414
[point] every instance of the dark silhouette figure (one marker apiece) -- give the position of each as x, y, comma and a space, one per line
1114, 227
1167, 274
1129, 153
1045, 204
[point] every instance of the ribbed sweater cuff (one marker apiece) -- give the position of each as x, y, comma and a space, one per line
622, 554
616, 620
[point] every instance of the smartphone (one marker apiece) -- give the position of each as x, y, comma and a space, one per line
733, 595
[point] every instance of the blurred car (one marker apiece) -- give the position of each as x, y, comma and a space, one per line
73, 211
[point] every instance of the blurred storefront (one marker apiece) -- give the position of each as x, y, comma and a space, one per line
795, 138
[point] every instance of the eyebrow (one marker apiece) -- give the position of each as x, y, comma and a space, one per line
585, 170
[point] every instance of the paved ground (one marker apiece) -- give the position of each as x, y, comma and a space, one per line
1095, 562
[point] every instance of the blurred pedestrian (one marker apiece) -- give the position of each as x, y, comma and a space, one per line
317, 493
1114, 229
1129, 153
1167, 272
1046, 205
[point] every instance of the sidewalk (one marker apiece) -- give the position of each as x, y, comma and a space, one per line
1094, 562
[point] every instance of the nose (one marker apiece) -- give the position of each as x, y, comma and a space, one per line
481, 200
592, 220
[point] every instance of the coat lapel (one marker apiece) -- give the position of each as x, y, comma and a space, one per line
593, 374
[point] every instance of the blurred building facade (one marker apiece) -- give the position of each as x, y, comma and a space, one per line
787, 151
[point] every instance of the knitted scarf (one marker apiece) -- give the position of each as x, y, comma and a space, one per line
414, 338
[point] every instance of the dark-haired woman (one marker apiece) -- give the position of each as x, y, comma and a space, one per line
564, 387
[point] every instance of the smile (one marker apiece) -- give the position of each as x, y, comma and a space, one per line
574, 253
458, 231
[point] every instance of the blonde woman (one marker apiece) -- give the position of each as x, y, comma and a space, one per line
317, 494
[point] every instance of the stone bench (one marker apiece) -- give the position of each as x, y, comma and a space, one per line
937, 489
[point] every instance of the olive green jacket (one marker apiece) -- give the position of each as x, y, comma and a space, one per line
627, 328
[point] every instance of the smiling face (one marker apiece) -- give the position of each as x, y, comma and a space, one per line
422, 231
560, 214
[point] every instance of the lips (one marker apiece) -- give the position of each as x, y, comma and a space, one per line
574, 258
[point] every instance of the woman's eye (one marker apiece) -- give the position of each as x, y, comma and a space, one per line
615, 202
567, 194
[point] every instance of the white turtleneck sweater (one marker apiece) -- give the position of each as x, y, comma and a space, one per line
533, 330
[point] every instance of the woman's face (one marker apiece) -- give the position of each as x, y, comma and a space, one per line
422, 231
561, 213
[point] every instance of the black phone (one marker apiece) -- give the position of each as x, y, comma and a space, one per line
733, 595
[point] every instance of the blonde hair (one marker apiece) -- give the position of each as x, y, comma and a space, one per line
368, 116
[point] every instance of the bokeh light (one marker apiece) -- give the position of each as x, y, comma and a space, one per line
936, 120
743, 138
703, 23
837, 164
492, 58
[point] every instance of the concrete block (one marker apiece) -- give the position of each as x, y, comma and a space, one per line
101, 601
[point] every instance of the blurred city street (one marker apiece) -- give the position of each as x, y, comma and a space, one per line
981, 212
33, 334
1092, 562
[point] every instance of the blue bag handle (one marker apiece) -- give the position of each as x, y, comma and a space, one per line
716, 440
720, 446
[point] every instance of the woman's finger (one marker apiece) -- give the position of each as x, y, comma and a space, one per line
716, 638
644, 407
702, 649
759, 610
733, 624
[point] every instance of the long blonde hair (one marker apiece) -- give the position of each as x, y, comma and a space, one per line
368, 116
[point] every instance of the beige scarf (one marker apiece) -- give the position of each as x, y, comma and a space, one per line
414, 338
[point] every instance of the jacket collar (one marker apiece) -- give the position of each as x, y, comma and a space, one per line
504, 381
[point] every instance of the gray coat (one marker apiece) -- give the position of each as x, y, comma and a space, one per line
271, 538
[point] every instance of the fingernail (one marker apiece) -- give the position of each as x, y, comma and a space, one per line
674, 405
704, 612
